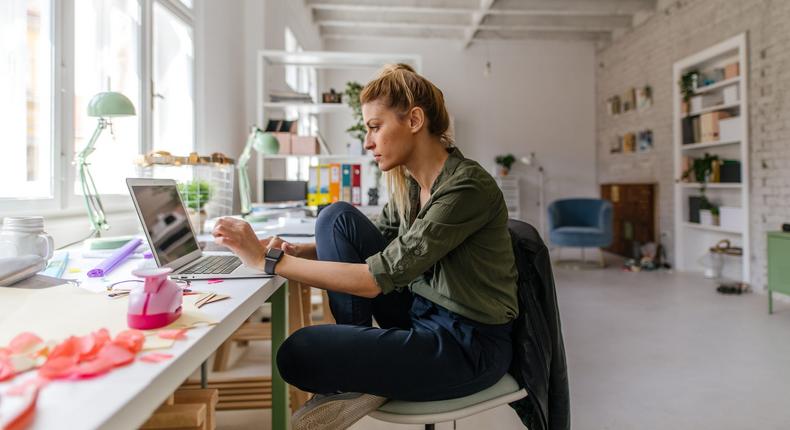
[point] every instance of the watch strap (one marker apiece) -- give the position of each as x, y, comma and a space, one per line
273, 256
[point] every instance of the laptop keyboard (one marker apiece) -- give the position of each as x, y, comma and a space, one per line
215, 264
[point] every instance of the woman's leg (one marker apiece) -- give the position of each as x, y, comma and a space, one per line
442, 357
343, 233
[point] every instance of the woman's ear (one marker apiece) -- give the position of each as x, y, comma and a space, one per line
416, 118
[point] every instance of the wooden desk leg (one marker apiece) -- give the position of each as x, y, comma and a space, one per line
280, 410
770, 302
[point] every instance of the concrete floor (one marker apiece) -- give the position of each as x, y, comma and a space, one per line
646, 351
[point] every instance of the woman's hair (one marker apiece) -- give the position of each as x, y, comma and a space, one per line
400, 88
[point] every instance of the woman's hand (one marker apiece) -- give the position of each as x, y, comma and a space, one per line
238, 235
275, 242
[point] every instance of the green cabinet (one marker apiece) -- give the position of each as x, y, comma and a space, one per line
778, 265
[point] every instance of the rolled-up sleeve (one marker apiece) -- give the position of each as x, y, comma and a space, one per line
454, 213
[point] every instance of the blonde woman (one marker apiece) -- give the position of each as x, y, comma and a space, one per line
436, 271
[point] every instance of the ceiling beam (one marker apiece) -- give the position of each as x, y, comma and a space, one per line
559, 22
593, 36
415, 6
477, 18
338, 17
571, 7
422, 32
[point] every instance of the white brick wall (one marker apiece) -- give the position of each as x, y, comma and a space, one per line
646, 54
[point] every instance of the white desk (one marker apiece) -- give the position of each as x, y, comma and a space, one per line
126, 397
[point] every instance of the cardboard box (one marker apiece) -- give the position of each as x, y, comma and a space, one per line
284, 139
731, 218
709, 125
730, 129
305, 145
731, 70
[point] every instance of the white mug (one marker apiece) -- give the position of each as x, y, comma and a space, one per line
25, 236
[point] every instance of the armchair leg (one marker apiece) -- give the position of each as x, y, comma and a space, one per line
584, 259
430, 426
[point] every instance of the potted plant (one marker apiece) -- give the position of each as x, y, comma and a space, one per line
357, 130
687, 84
505, 162
714, 211
195, 195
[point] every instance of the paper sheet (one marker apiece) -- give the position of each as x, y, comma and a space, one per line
59, 312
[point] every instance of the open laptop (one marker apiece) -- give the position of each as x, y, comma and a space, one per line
172, 240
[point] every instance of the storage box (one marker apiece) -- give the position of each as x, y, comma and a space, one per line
711, 100
730, 93
731, 218
731, 70
730, 171
695, 203
695, 104
706, 217
284, 139
305, 145
730, 129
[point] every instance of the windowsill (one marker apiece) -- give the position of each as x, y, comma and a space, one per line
80, 212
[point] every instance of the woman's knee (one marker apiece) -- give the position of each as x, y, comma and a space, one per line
329, 215
293, 357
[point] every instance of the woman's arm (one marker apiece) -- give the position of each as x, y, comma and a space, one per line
340, 277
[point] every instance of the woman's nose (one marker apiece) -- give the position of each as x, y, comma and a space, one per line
369, 145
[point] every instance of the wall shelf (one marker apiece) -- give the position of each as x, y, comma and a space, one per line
717, 85
693, 240
702, 145
311, 108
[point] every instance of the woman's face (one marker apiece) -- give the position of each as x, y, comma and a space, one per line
390, 138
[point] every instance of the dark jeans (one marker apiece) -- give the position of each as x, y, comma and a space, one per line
421, 352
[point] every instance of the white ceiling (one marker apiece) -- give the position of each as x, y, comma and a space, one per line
468, 21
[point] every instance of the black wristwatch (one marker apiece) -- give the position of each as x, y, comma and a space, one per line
273, 256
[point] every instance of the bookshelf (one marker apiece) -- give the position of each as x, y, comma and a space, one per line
324, 60
693, 239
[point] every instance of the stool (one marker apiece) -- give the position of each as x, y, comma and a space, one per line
430, 413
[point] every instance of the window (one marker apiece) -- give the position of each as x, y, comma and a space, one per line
46, 83
106, 58
26, 102
173, 84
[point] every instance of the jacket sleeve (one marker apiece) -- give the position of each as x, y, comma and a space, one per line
388, 222
452, 215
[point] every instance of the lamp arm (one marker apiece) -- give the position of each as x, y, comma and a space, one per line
244, 179
90, 193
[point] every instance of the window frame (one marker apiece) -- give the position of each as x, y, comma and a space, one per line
63, 201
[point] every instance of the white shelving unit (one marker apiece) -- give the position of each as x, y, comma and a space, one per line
692, 240
511, 192
322, 61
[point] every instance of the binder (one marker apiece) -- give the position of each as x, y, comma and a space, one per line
334, 182
356, 185
312, 187
323, 185
345, 183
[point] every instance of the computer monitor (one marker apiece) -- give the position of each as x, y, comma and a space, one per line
279, 191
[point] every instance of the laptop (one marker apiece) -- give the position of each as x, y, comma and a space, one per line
172, 240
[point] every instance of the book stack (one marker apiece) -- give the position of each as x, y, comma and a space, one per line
329, 183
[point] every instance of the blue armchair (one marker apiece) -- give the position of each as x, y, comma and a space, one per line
580, 223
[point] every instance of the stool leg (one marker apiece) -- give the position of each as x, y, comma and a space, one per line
430, 426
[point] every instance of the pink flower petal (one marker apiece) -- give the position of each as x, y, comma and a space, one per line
118, 355
215, 281
174, 334
95, 367
155, 357
58, 367
23, 342
6, 370
68, 348
132, 340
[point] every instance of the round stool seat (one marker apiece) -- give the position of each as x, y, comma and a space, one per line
402, 412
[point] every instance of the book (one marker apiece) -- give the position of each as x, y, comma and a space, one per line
356, 185
312, 187
345, 183
334, 183
323, 185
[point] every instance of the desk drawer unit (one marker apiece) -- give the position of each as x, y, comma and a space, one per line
778, 265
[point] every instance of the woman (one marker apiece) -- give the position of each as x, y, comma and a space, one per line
436, 270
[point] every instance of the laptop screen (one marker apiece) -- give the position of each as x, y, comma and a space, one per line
166, 221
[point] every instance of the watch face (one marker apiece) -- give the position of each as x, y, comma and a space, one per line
275, 253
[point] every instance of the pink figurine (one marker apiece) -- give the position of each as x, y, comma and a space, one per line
157, 304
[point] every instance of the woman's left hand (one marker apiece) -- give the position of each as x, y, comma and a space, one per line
238, 235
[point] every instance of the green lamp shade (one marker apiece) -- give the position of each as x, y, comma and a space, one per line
109, 104
267, 144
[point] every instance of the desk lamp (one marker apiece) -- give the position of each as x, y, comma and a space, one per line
104, 106
262, 142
